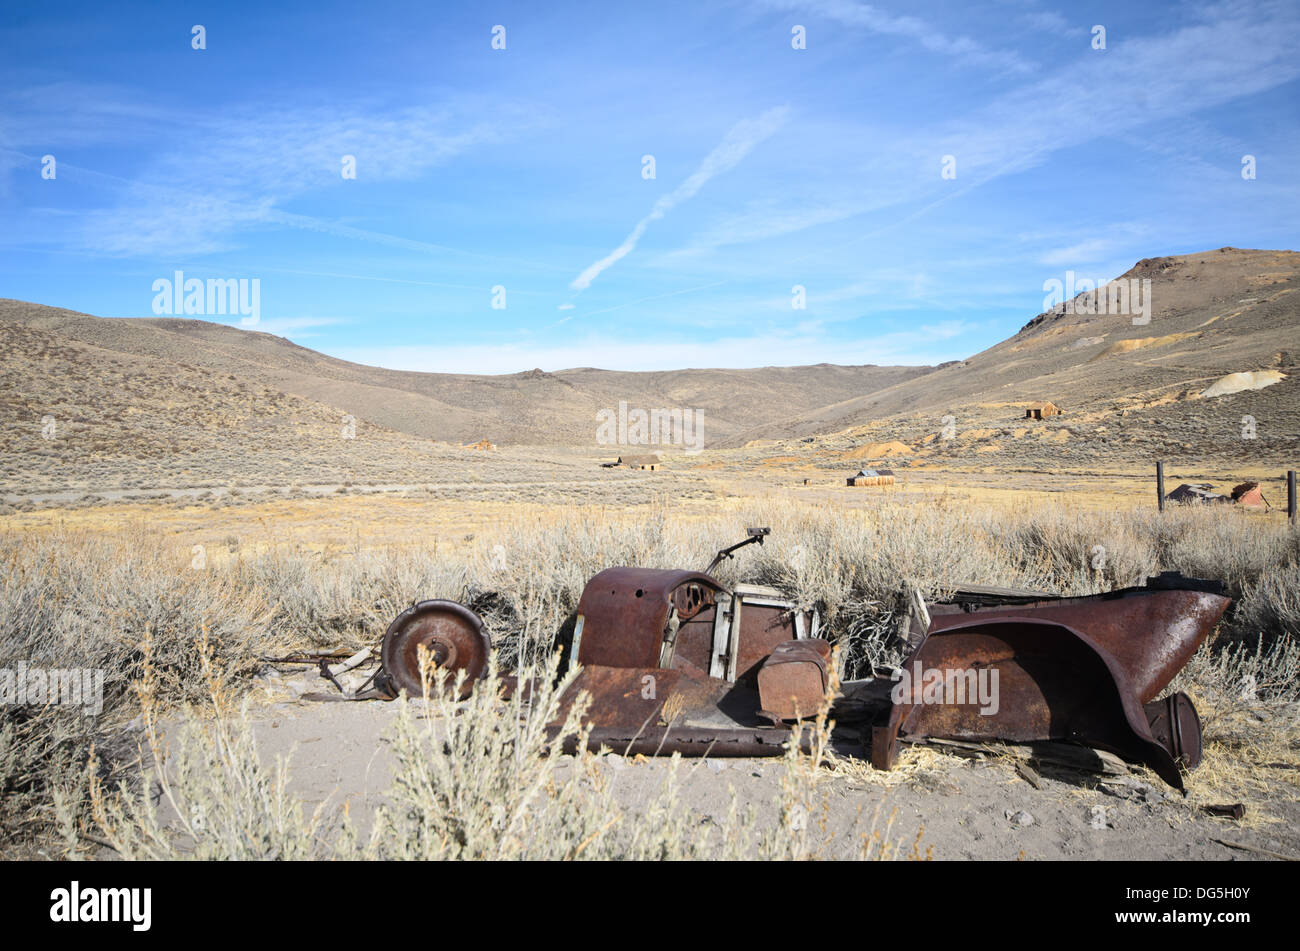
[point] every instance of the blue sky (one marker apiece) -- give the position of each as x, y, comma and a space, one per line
522, 168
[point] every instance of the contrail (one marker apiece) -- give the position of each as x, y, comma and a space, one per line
737, 143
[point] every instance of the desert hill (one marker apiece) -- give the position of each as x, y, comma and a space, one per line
529, 408
91, 402
1221, 324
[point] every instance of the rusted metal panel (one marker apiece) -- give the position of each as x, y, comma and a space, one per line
764, 620
694, 645
792, 681
1053, 682
625, 613
651, 696
1152, 632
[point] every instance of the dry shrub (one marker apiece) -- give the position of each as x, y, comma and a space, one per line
487, 779
483, 778
73, 600
216, 799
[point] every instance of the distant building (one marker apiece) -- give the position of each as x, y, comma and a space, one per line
1041, 410
1194, 492
872, 477
649, 462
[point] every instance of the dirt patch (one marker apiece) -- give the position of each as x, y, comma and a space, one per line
952, 807
1142, 343
879, 450
1240, 382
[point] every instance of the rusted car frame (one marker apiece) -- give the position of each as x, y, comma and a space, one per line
676, 661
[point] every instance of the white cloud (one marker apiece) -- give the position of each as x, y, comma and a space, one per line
924, 345
1139, 82
293, 326
863, 16
738, 142
1085, 252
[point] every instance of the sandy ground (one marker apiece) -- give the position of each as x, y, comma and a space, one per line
955, 807
941, 806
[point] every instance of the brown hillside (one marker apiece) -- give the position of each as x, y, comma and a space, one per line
528, 408
1127, 390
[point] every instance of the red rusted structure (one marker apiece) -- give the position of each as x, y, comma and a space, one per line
1084, 669
675, 661
1249, 494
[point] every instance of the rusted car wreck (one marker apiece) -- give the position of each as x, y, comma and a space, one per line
675, 661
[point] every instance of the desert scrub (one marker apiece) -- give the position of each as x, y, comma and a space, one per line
480, 779
216, 798
487, 778
72, 601
1269, 610
43, 774
90, 601
484, 778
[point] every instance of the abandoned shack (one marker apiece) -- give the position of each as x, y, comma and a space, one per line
1249, 493
1194, 492
872, 477
1041, 410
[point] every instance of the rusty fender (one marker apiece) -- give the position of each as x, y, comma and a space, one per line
1054, 682
1150, 632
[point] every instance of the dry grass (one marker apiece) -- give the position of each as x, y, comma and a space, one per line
479, 779
134, 607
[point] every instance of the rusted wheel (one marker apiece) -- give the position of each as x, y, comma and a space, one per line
453, 636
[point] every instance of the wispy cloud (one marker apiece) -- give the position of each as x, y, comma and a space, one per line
1131, 87
729, 153
1085, 252
510, 169
864, 16
283, 326
217, 174
640, 300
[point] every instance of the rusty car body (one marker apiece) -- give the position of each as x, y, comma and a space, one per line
676, 661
